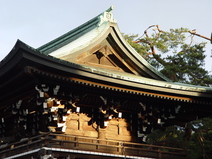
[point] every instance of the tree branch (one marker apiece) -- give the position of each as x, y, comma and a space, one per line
153, 51
193, 32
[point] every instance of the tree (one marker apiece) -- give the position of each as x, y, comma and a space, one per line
177, 59
181, 60
201, 139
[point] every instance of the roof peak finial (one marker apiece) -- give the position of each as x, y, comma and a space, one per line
107, 16
110, 9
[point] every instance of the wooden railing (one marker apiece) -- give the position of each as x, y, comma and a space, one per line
92, 145
21, 146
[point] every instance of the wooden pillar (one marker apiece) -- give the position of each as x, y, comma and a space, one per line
101, 135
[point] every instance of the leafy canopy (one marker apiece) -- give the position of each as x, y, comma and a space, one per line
173, 54
181, 60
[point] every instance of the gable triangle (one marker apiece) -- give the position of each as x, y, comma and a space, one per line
105, 58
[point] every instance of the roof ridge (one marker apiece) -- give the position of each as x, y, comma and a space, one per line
77, 32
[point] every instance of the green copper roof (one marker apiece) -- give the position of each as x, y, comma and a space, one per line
89, 34
68, 37
123, 78
76, 33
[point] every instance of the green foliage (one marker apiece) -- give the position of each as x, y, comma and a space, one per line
181, 61
170, 53
169, 40
140, 48
201, 139
196, 138
171, 137
186, 66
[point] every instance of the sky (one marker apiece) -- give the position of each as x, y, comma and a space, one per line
38, 22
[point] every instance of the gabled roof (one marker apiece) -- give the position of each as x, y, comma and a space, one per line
54, 58
97, 60
100, 35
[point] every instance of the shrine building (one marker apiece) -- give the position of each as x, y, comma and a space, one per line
89, 94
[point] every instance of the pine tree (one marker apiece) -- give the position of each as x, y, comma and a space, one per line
171, 54
183, 61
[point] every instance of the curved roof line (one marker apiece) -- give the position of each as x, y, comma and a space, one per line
77, 32
106, 17
32, 55
139, 61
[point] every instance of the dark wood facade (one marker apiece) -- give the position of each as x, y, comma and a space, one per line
93, 88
